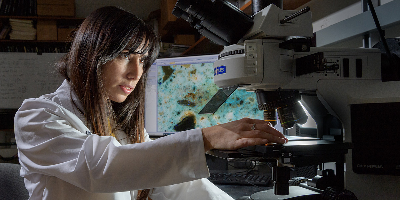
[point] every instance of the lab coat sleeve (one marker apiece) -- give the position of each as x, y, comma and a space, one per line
198, 189
53, 141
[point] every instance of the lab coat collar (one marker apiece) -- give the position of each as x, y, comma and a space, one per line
70, 100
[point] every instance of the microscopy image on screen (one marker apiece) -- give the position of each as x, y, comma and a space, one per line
183, 91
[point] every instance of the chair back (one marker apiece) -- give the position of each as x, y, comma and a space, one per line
11, 183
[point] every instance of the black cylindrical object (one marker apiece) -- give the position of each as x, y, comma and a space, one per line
285, 102
258, 5
281, 176
286, 116
218, 20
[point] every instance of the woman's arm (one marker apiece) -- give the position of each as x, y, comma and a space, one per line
54, 142
198, 189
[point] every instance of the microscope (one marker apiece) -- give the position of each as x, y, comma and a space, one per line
352, 94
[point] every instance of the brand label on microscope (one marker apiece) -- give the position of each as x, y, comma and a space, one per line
220, 70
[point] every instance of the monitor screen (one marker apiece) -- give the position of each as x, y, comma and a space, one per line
178, 89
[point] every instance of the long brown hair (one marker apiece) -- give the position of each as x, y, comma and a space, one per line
102, 36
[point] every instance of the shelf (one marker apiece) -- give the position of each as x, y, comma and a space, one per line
40, 17
203, 46
34, 41
60, 19
54, 34
63, 22
179, 26
246, 8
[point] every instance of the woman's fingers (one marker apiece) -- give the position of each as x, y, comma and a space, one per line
241, 133
245, 142
268, 135
261, 128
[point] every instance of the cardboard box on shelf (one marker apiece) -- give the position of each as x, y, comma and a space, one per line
57, 2
185, 39
166, 13
56, 8
292, 5
64, 34
46, 29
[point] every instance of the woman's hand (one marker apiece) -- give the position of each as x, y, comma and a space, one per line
240, 133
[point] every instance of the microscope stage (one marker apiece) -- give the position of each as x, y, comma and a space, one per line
295, 192
300, 151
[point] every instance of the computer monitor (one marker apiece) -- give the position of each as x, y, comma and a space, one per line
178, 89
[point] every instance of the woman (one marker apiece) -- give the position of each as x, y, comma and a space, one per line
87, 139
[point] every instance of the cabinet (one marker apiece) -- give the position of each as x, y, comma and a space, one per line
36, 25
51, 34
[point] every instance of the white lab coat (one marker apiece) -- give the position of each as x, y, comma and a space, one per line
61, 159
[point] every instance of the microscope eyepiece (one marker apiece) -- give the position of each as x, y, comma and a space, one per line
218, 20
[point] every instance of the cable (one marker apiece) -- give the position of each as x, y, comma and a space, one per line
378, 26
393, 59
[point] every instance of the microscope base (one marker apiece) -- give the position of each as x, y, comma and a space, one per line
295, 192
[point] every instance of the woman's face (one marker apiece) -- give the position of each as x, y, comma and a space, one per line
121, 75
